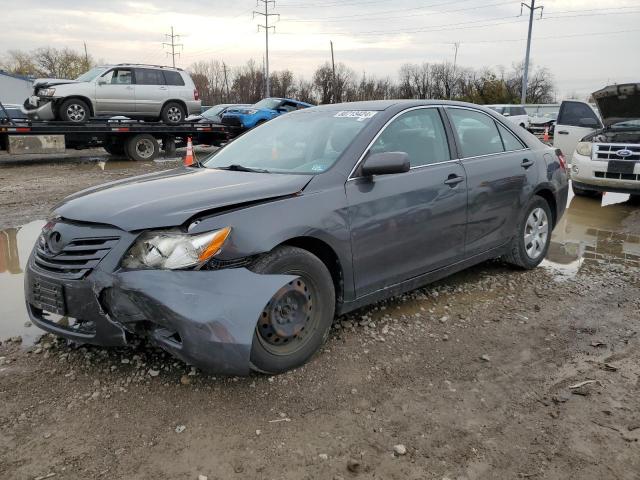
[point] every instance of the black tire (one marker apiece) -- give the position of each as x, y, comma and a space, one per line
115, 149
584, 192
275, 350
142, 147
517, 251
173, 113
74, 110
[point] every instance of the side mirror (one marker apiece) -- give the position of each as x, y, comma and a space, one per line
506, 114
281, 110
102, 81
589, 122
386, 163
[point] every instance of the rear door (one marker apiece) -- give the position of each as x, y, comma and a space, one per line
151, 91
407, 224
115, 93
575, 120
500, 173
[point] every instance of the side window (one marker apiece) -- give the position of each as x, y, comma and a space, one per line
572, 112
147, 76
476, 131
118, 76
518, 111
173, 78
509, 140
288, 106
419, 133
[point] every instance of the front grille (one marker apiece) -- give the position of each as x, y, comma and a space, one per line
608, 151
76, 259
618, 176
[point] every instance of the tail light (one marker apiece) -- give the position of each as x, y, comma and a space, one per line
196, 95
561, 159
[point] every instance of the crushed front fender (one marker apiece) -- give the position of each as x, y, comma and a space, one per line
205, 318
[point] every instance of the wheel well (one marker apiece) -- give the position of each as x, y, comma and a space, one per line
551, 200
181, 102
327, 255
79, 97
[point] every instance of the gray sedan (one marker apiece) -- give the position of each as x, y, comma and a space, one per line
242, 261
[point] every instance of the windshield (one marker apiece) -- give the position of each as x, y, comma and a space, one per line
635, 123
269, 103
213, 112
91, 74
306, 142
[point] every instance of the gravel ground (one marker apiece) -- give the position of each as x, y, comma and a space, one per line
490, 374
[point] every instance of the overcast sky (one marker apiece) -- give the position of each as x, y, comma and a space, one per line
585, 43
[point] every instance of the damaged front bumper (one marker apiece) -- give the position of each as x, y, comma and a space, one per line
39, 108
206, 318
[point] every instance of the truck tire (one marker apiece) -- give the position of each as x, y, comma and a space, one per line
173, 113
74, 110
142, 147
297, 320
584, 192
532, 237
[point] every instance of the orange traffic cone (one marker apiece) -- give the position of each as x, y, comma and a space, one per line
545, 137
188, 159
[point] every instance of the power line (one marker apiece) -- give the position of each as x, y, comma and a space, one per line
173, 46
266, 28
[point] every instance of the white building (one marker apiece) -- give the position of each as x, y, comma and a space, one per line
14, 89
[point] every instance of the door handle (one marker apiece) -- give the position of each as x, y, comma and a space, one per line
453, 180
526, 163
163, 88
563, 132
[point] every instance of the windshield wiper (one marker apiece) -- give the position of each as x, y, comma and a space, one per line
241, 168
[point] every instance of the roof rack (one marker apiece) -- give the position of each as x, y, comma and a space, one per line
147, 65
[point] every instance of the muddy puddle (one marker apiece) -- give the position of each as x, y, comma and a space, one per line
590, 231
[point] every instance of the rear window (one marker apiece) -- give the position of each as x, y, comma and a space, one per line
173, 78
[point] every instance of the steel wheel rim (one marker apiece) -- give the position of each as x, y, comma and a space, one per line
536, 233
145, 148
174, 114
76, 112
286, 323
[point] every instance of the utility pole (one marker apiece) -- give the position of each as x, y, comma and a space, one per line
226, 82
456, 45
333, 75
173, 46
266, 28
86, 55
525, 77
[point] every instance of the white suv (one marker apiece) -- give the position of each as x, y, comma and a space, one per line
604, 151
515, 113
136, 91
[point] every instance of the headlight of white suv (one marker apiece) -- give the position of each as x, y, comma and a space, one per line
46, 92
172, 250
584, 148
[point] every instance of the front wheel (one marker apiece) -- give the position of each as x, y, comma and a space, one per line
74, 110
296, 321
532, 237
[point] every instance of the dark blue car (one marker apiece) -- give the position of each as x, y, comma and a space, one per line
263, 111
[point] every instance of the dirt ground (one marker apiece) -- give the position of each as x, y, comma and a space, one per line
491, 374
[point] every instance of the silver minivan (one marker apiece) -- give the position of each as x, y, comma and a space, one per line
145, 92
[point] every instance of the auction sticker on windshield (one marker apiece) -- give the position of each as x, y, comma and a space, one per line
359, 115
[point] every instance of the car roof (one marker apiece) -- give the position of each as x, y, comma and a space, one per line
142, 65
380, 105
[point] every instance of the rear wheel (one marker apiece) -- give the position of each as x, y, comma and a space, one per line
296, 321
173, 113
74, 110
530, 242
142, 147
585, 192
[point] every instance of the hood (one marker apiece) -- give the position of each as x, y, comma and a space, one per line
50, 82
618, 103
170, 198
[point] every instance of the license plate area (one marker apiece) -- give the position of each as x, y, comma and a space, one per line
48, 296
620, 166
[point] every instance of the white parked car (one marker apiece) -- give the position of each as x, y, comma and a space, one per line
604, 150
515, 113
146, 92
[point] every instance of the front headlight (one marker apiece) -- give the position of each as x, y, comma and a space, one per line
249, 112
171, 250
584, 148
46, 92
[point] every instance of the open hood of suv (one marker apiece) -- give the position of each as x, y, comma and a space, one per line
50, 82
618, 103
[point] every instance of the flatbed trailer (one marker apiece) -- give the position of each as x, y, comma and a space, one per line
138, 140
